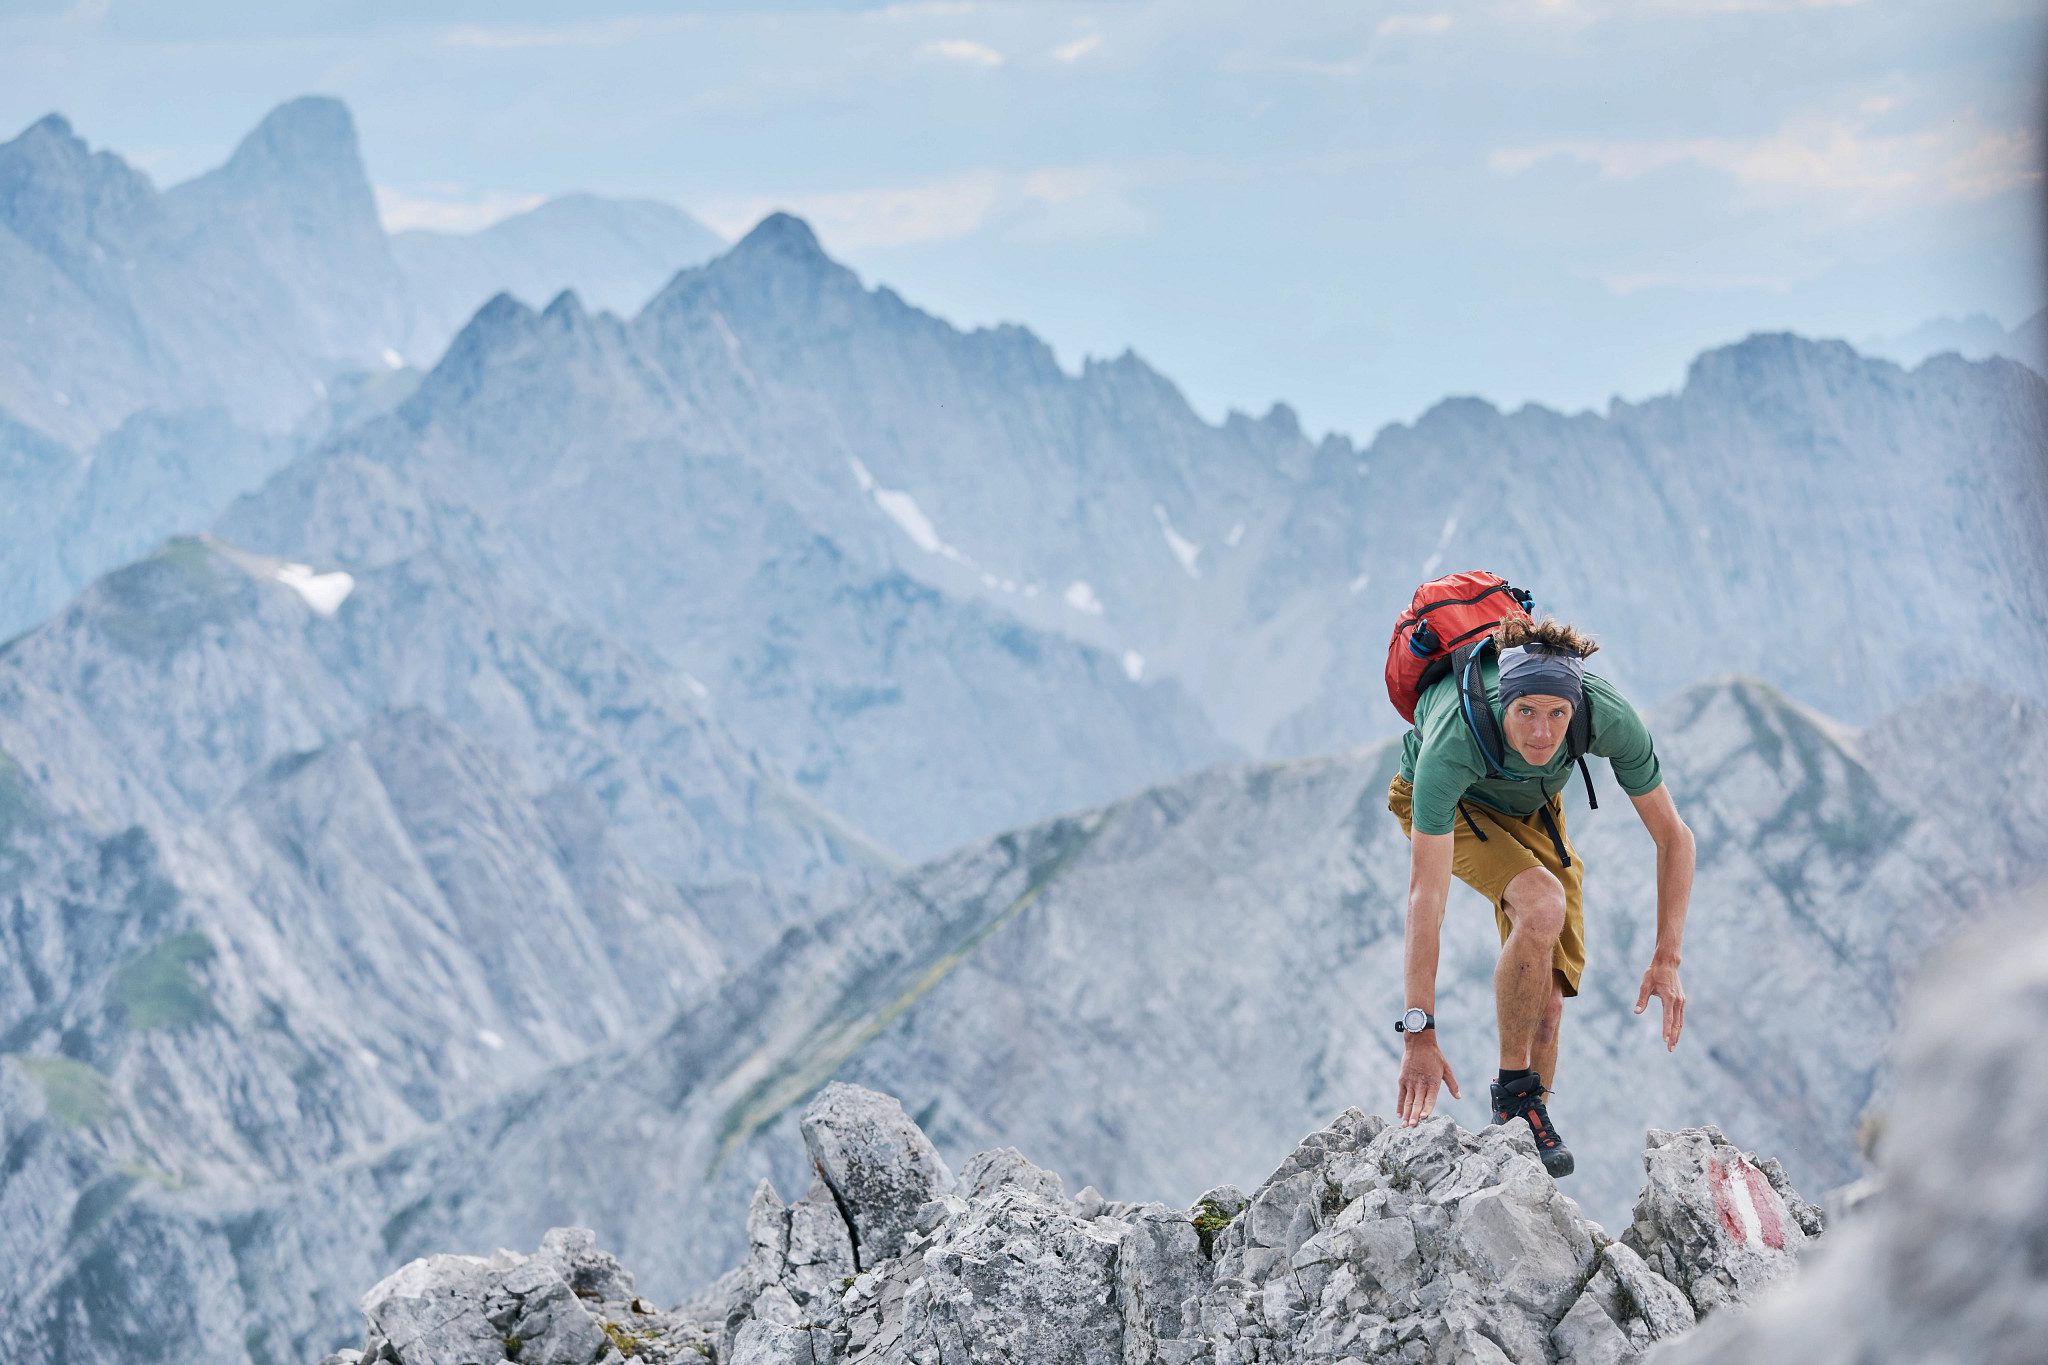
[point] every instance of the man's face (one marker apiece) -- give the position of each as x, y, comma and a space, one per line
1535, 726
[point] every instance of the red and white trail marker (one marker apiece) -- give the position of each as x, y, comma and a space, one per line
1751, 1213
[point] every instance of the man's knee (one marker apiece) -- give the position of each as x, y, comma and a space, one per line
1535, 903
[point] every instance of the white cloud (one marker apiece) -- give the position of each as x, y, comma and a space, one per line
1048, 203
446, 208
1079, 48
1995, 163
1957, 161
599, 34
963, 50
1413, 23
895, 215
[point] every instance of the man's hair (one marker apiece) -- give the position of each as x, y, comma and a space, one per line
1520, 630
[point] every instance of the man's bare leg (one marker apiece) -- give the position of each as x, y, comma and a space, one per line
1544, 1056
1522, 979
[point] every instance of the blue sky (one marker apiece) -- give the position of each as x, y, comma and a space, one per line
1357, 208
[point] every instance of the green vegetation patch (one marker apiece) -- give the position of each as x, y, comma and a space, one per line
1210, 1219
629, 1344
76, 1094
156, 990
795, 1076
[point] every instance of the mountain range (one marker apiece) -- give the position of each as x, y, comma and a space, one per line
436, 783
1157, 993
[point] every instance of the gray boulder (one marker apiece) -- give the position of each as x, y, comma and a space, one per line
1715, 1220
879, 1165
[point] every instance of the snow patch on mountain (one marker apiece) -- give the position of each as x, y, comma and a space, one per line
901, 508
323, 592
1184, 550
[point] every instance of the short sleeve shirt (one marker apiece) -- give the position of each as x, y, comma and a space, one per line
1441, 759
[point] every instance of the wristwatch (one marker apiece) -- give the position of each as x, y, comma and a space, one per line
1414, 1021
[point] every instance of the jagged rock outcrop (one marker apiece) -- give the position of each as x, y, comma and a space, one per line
1944, 1262
1370, 1241
1714, 1221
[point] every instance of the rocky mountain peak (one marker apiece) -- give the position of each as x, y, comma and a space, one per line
1770, 369
60, 196
52, 133
781, 237
1370, 1240
302, 141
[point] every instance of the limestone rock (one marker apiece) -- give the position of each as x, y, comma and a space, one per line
1417, 1245
880, 1166
1714, 1221
1947, 1264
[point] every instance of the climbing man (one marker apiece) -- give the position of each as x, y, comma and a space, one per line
1502, 709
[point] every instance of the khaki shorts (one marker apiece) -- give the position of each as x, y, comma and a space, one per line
1512, 846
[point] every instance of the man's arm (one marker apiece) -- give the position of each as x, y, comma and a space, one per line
1429, 884
1675, 853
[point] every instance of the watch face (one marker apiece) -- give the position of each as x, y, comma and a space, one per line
1415, 1021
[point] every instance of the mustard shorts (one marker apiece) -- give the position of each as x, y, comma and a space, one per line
1512, 846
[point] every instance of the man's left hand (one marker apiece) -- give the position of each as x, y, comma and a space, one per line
1662, 981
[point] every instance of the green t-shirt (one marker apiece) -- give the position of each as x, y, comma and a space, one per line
1440, 758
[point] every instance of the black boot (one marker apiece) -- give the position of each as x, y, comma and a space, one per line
1523, 1099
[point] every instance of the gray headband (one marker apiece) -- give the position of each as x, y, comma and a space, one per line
1541, 670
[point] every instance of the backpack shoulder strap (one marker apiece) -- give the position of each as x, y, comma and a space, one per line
1477, 707
1579, 739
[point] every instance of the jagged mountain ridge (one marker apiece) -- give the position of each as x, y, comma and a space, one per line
993, 989
615, 253
935, 717
249, 288
769, 435
348, 865
242, 289
171, 349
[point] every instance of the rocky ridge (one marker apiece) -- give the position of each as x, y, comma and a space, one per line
1370, 1241
1149, 998
1941, 1258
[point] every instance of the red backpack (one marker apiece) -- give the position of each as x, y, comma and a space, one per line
1445, 613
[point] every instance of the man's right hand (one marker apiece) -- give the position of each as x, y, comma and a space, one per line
1422, 1070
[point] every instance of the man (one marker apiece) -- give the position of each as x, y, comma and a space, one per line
1505, 838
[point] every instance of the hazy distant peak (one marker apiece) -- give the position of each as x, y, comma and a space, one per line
500, 323
59, 195
50, 144
310, 139
565, 309
1740, 362
50, 128
782, 236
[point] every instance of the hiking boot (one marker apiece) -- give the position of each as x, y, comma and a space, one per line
1523, 1099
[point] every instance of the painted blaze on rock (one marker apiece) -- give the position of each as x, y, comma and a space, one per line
1715, 1221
